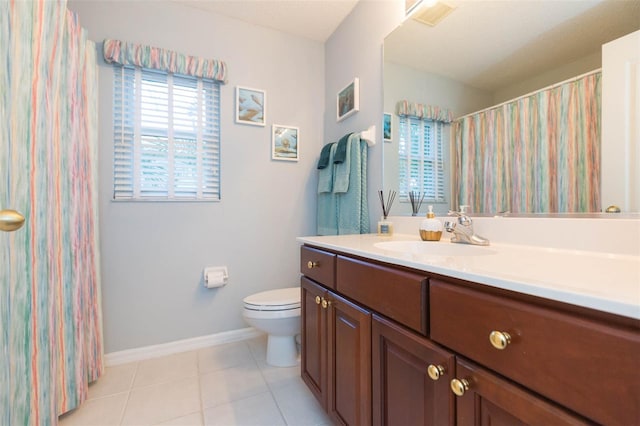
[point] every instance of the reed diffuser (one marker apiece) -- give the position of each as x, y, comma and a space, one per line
416, 201
385, 227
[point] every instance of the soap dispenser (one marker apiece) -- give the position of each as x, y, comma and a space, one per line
431, 228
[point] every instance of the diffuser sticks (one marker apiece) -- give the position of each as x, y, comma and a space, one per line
384, 226
386, 207
416, 201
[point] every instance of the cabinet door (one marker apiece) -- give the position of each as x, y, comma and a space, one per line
314, 339
493, 401
403, 391
349, 362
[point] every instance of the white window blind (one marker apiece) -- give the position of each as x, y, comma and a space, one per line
166, 136
421, 162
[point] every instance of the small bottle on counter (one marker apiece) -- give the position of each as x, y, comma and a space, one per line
431, 228
385, 227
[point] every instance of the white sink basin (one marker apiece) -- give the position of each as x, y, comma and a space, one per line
435, 248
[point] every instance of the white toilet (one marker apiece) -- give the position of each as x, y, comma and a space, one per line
277, 313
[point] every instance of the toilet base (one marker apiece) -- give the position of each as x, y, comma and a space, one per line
282, 351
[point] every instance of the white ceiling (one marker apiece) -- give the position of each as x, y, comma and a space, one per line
314, 19
490, 44
503, 40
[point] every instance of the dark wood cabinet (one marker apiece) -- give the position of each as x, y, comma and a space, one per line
397, 294
559, 355
411, 378
336, 355
375, 335
349, 361
314, 339
488, 400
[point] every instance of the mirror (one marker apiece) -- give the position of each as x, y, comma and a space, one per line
486, 52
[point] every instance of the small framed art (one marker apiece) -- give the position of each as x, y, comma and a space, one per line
386, 127
250, 106
348, 100
285, 143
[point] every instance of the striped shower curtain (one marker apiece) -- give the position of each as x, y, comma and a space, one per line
50, 317
536, 154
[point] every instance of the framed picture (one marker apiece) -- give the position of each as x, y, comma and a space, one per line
250, 106
386, 127
348, 100
285, 143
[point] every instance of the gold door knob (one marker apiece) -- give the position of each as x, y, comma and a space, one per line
311, 264
326, 303
10, 220
318, 300
459, 387
435, 371
500, 339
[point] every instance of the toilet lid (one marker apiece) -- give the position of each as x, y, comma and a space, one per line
274, 300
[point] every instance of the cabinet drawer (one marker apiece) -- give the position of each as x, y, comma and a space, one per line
396, 294
491, 400
318, 265
586, 365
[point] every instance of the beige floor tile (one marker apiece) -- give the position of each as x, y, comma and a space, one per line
224, 356
257, 410
194, 419
258, 346
165, 369
105, 411
115, 379
231, 384
157, 403
235, 386
278, 376
298, 405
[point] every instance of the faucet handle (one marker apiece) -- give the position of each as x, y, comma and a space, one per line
462, 212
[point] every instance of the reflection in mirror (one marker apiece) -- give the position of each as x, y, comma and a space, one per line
485, 53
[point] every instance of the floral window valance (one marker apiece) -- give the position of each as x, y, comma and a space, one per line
428, 112
120, 52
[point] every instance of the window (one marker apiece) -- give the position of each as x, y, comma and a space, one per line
421, 163
166, 136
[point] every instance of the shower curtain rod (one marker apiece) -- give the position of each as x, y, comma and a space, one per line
569, 80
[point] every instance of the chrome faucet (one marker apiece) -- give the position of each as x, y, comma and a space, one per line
462, 229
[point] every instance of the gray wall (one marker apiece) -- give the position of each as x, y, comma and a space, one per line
153, 253
355, 50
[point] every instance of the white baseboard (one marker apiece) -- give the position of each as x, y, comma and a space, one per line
155, 351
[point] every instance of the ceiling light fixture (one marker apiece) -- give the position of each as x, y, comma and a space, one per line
431, 12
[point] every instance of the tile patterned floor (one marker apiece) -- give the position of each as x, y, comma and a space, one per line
227, 385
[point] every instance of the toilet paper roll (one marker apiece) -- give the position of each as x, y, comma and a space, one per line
214, 279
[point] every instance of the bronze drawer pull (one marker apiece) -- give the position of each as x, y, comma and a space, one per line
500, 339
459, 387
311, 264
435, 371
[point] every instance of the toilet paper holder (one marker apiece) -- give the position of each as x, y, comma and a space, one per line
215, 276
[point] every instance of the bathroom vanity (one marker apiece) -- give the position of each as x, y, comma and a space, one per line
396, 331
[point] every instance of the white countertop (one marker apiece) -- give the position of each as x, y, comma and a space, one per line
603, 281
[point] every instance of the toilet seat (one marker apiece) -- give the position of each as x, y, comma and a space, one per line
283, 299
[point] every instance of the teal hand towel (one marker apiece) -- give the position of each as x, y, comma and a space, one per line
325, 175
323, 162
343, 169
342, 149
352, 206
327, 213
